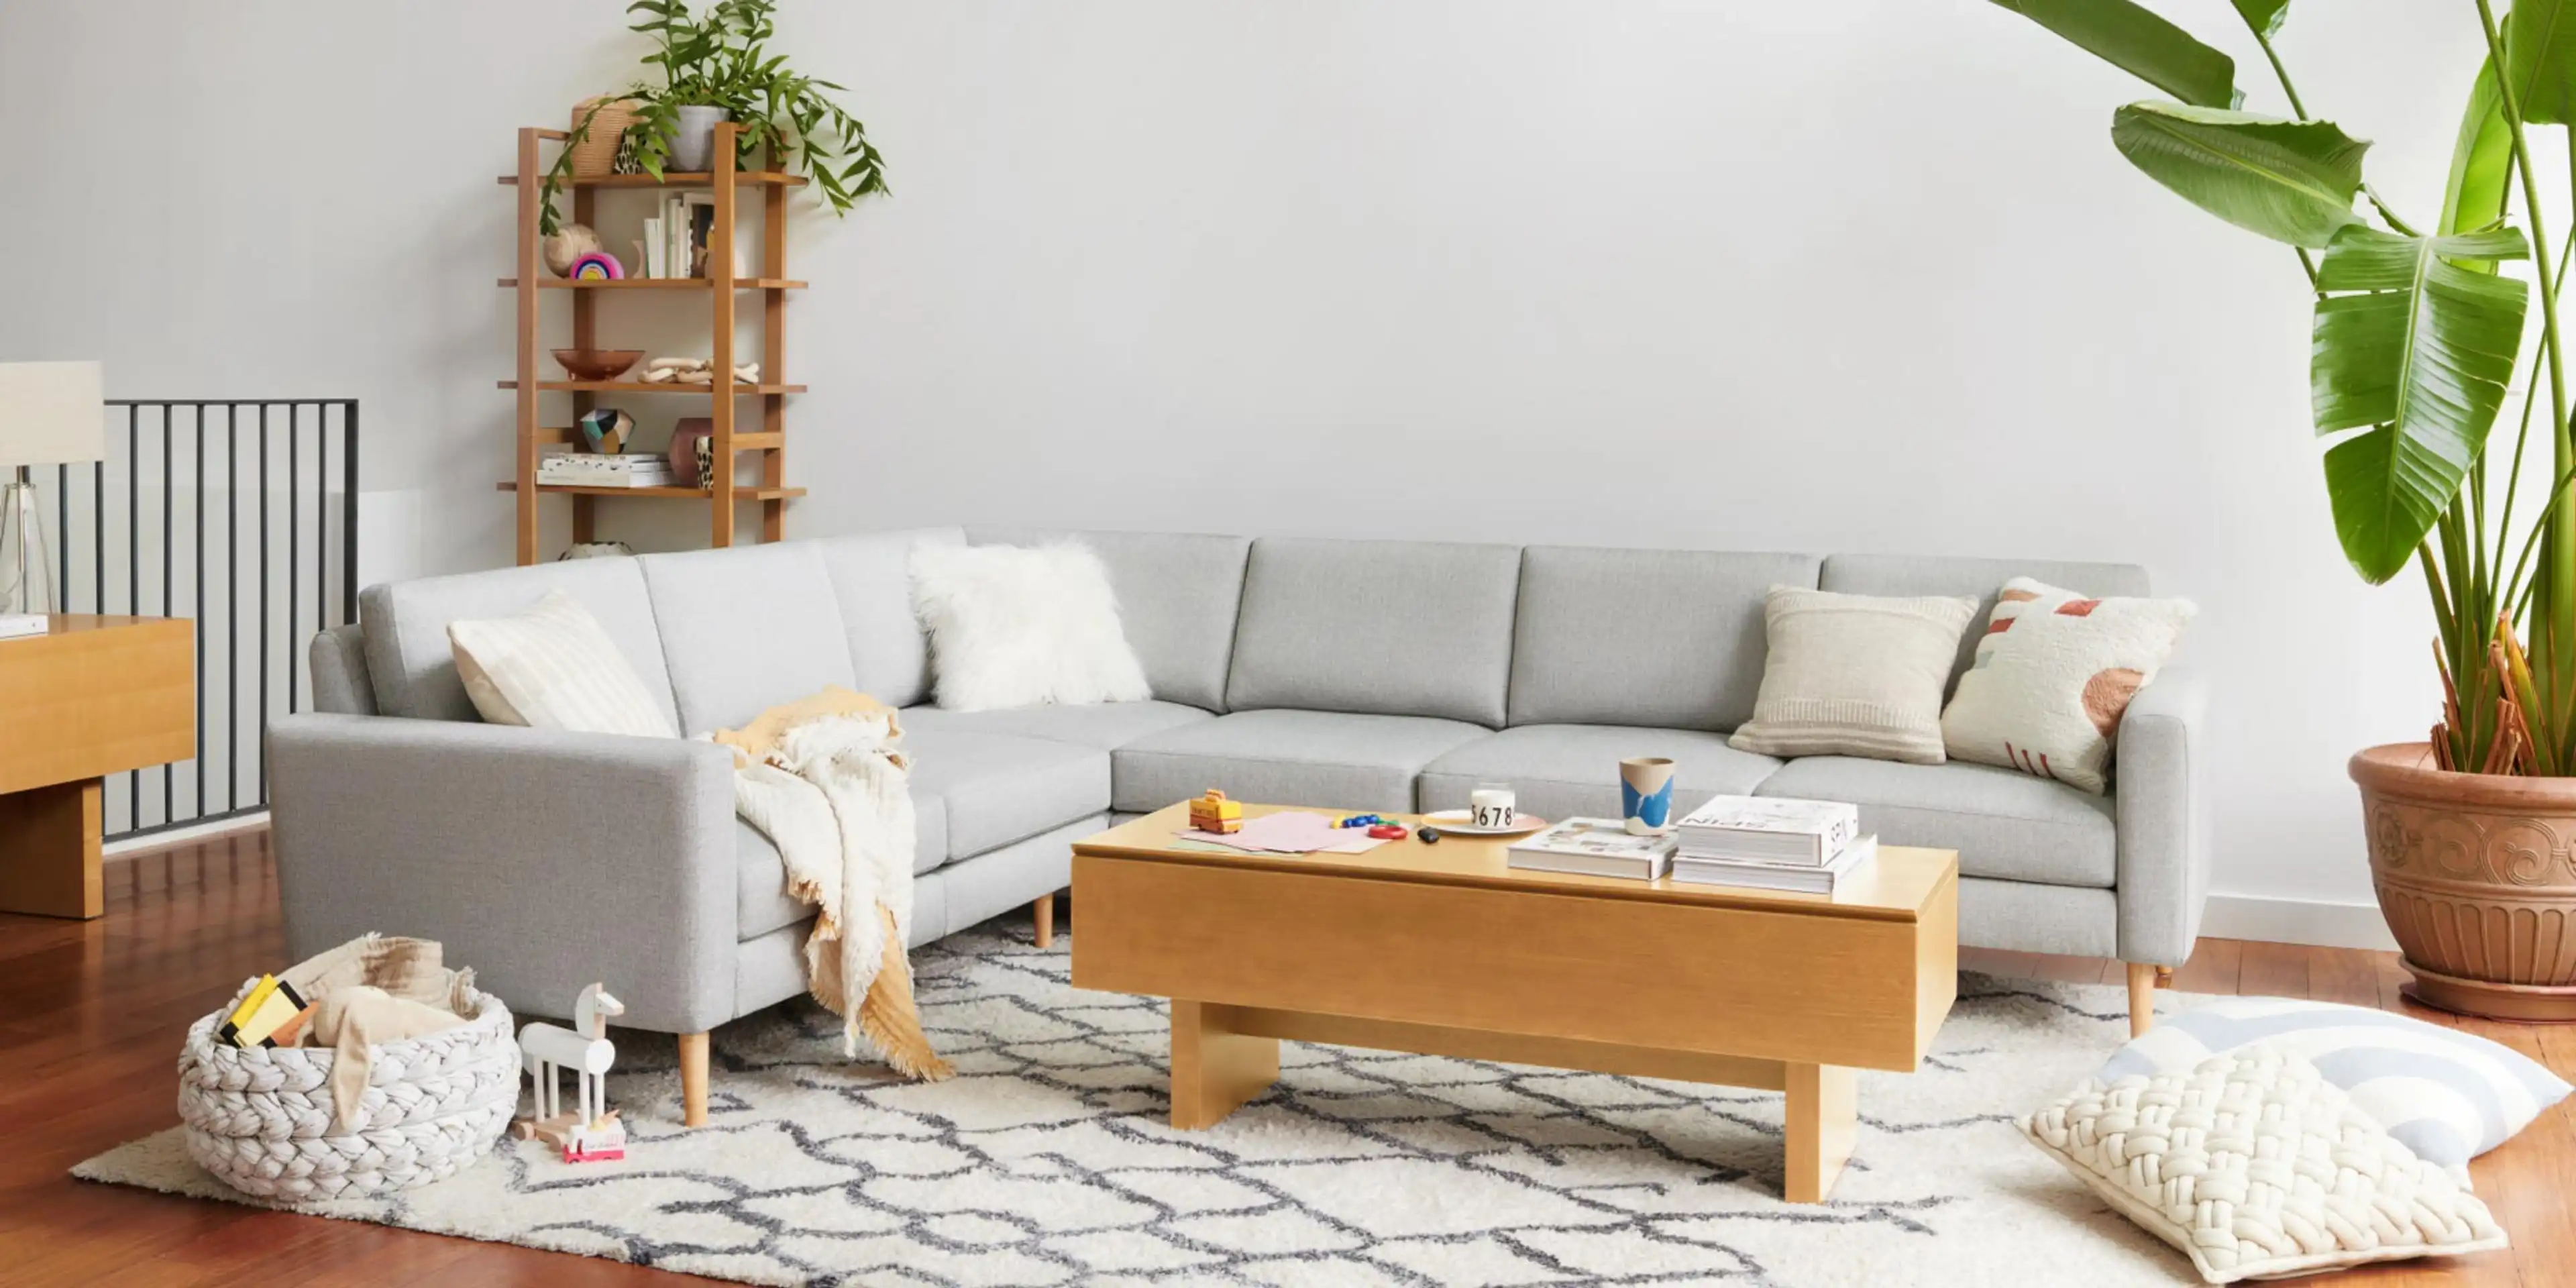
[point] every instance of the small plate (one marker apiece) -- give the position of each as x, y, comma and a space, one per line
1454, 822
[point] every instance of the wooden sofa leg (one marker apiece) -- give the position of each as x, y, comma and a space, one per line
1044, 912
2142, 997
693, 1079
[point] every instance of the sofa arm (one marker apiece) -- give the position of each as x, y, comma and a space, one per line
2162, 802
544, 860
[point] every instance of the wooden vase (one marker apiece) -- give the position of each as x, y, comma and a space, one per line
2476, 874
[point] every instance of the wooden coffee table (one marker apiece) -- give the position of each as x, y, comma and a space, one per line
1444, 950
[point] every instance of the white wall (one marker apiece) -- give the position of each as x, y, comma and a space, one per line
1855, 276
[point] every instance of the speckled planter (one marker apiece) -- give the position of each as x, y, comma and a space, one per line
2476, 874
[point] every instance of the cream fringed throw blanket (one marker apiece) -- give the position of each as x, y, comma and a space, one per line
823, 780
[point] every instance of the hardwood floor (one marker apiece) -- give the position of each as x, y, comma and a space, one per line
89, 1013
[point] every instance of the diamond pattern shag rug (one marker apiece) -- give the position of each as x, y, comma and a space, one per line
1049, 1160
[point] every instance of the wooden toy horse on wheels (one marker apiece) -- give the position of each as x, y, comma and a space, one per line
592, 1132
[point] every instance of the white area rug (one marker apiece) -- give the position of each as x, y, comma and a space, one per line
1049, 1160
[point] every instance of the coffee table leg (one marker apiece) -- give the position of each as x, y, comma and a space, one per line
1823, 1119
1214, 1071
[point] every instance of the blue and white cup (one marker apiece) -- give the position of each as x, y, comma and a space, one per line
1646, 793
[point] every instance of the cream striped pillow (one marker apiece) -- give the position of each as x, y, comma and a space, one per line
552, 667
1854, 675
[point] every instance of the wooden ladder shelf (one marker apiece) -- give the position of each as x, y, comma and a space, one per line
722, 289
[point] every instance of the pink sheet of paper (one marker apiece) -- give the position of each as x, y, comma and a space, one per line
1293, 832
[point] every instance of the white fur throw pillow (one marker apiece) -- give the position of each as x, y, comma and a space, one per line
1854, 675
552, 667
2255, 1166
1015, 626
2054, 673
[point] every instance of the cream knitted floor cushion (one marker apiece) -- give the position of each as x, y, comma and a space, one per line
2257, 1167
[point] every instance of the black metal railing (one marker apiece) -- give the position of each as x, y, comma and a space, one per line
208, 509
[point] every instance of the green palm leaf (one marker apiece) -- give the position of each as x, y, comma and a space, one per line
2540, 60
2418, 349
2292, 181
2264, 15
2481, 163
2140, 43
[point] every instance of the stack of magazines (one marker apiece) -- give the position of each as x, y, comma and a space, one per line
606, 469
1598, 847
1771, 844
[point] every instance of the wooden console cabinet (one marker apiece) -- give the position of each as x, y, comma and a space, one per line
92, 696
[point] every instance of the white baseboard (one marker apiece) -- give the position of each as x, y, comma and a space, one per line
2296, 921
132, 846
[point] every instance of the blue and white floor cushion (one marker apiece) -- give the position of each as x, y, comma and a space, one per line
2449, 1095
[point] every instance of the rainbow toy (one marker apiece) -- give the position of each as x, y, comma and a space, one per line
597, 266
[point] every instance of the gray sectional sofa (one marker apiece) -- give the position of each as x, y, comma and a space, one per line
1370, 675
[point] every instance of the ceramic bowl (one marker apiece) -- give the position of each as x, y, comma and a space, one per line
598, 364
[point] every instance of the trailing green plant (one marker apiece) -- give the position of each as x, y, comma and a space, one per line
2414, 342
722, 59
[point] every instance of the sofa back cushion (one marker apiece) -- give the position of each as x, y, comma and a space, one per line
1981, 579
1178, 594
746, 629
872, 582
413, 669
1667, 639
1404, 628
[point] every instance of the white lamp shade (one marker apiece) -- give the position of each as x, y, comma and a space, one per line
51, 412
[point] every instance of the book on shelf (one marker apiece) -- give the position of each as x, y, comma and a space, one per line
568, 458
700, 210
1766, 829
657, 261
1794, 878
1600, 847
611, 481
14, 625
624, 469
675, 255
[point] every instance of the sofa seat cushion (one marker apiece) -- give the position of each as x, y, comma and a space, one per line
2005, 825
1562, 770
994, 789
761, 900
1326, 759
1106, 725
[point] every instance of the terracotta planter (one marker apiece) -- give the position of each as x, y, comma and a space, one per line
2476, 874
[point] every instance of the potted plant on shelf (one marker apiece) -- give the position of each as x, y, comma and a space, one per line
717, 67
2415, 341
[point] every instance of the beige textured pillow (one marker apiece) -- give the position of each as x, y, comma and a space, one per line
2054, 672
1854, 675
552, 667
2255, 1166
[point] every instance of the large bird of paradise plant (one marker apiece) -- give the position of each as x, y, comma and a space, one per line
2414, 343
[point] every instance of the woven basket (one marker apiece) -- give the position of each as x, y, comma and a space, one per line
260, 1120
596, 154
